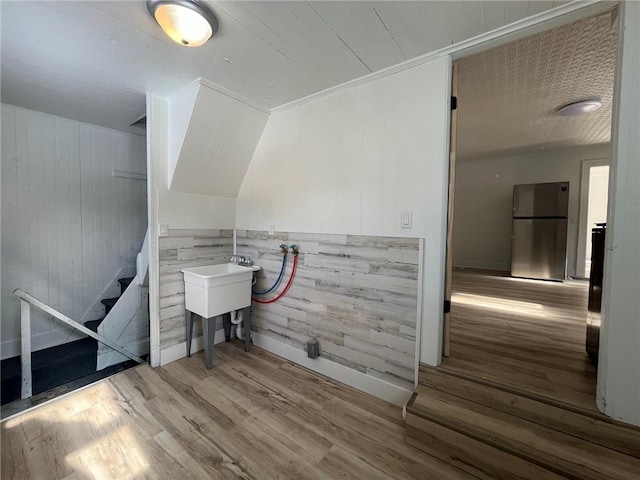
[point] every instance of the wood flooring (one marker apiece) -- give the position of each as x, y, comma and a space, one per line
253, 416
525, 334
492, 433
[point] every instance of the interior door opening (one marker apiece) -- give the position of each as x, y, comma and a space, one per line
597, 200
518, 328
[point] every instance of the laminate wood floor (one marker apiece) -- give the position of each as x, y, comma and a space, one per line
526, 334
253, 416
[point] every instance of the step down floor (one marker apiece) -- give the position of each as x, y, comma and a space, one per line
50, 367
490, 433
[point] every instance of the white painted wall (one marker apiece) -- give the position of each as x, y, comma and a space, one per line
181, 105
483, 202
350, 163
70, 228
619, 362
194, 211
214, 149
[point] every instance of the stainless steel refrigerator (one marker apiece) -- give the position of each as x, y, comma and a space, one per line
539, 239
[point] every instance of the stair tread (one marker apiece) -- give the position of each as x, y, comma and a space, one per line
536, 443
110, 301
125, 282
93, 324
588, 427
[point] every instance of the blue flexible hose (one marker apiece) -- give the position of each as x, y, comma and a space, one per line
275, 285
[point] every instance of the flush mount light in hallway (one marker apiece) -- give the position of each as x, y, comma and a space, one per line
578, 108
188, 22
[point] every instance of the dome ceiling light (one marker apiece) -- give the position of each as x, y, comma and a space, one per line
188, 22
579, 108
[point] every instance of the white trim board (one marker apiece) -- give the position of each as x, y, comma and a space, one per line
527, 26
360, 381
176, 352
416, 364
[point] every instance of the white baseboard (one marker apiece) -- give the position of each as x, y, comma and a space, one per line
176, 352
358, 380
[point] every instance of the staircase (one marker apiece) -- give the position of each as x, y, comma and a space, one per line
55, 367
493, 433
109, 303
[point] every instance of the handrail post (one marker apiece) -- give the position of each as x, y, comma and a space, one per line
25, 346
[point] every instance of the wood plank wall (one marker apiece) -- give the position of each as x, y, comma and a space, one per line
184, 249
356, 294
69, 228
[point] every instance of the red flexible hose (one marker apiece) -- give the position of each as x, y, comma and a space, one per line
293, 274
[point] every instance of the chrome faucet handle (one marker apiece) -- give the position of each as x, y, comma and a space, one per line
245, 261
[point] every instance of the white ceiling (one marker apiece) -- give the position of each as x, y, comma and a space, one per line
508, 95
93, 61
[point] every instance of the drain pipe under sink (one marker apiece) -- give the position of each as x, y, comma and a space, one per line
237, 316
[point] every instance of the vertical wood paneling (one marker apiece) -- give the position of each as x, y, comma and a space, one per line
68, 225
36, 212
63, 218
9, 204
75, 176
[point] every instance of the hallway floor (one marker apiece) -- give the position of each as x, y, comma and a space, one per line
527, 334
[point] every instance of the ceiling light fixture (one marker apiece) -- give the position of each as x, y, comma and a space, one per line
579, 108
188, 22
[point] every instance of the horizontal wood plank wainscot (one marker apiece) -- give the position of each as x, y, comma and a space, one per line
358, 295
184, 249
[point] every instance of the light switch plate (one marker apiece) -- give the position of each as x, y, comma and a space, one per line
406, 220
163, 230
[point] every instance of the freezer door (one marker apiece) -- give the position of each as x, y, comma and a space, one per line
541, 200
539, 248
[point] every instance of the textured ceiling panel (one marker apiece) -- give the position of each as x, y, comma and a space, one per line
508, 95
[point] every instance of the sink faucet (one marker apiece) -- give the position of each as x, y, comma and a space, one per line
239, 260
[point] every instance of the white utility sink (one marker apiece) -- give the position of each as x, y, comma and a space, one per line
216, 289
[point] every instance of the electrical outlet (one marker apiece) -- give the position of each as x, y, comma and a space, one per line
163, 230
272, 229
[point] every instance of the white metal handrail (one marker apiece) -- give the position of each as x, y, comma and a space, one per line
26, 301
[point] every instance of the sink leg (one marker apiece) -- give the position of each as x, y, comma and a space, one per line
189, 320
247, 329
226, 323
208, 331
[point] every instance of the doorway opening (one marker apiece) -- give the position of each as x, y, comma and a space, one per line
522, 209
597, 200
